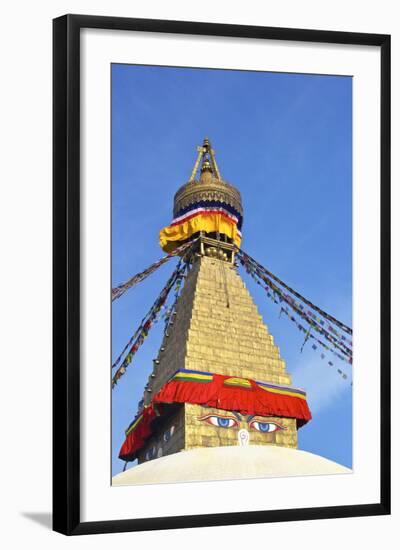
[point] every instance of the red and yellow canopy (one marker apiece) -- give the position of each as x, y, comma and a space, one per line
222, 392
207, 216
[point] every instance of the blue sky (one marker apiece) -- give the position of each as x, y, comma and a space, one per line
285, 141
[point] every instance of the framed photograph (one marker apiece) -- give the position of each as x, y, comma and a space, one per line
221, 274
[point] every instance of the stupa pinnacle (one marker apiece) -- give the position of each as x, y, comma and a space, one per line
208, 204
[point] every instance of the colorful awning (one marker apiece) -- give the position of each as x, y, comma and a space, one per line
204, 216
222, 392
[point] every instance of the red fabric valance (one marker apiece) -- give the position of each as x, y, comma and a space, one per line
221, 392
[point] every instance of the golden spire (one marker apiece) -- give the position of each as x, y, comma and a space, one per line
209, 186
206, 165
207, 154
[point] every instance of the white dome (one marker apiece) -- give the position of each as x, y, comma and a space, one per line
226, 463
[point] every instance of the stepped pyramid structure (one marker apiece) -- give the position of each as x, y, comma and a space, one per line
219, 379
217, 329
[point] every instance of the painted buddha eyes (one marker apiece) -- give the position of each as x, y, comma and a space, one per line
265, 427
169, 433
220, 421
230, 422
151, 453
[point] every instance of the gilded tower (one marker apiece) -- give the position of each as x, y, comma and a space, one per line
219, 379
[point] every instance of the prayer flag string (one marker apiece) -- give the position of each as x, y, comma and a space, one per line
119, 290
147, 322
343, 355
323, 313
310, 335
337, 344
295, 307
171, 312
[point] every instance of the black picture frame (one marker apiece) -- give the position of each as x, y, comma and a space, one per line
66, 271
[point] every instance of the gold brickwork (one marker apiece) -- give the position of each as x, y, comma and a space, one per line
201, 434
217, 328
190, 432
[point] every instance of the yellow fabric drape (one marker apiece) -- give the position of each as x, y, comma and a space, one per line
171, 236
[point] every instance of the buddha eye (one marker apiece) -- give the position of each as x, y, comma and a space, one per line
150, 453
169, 433
219, 421
265, 427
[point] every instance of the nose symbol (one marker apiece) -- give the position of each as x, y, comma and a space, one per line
243, 437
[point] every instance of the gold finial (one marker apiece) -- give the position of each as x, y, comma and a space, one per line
209, 186
206, 165
206, 172
206, 153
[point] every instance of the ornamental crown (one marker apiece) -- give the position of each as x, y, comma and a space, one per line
209, 186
